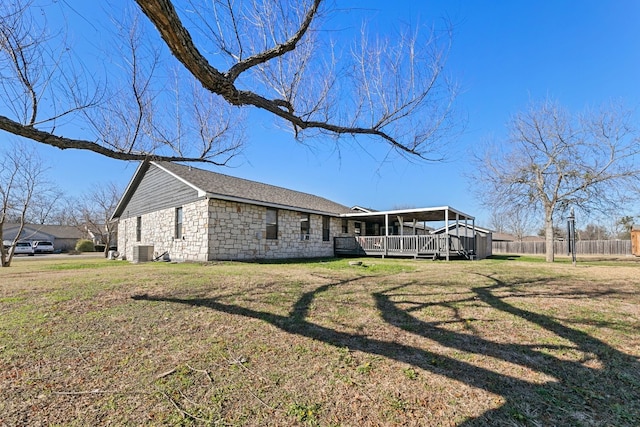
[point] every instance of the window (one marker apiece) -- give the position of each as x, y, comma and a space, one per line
325, 228
305, 228
139, 229
357, 228
178, 231
272, 224
345, 226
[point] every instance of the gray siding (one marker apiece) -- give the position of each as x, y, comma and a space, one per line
158, 190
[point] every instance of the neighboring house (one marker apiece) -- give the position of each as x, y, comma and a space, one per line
98, 233
197, 215
63, 237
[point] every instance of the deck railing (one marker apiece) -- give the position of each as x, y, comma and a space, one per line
440, 245
371, 243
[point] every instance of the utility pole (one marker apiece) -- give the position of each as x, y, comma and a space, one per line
571, 236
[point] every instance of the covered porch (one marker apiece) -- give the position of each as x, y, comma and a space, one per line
441, 232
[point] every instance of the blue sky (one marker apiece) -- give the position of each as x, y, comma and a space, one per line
505, 54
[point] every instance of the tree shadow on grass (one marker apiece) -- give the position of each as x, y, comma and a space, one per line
608, 394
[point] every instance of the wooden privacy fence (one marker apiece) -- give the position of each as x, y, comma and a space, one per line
583, 247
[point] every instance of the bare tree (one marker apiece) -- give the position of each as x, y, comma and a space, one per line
554, 160
623, 226
519, 223
282, 57
22, 181
63, 212
593, 232
516, 222
44, 208
497, 221
94, 211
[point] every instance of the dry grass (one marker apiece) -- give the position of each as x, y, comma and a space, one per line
493, 342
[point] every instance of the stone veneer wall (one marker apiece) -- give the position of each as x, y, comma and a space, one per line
158, 229
238, 231
223, 230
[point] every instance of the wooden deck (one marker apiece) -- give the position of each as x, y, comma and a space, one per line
421, 246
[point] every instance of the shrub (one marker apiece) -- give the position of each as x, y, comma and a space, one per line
84, 245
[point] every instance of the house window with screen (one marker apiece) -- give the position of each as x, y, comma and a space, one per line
272, 224
325, 228
178, 231
345, 225
139, 229
305, 228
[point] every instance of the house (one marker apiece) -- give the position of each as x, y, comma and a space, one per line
197, 215
99, 234
63, 237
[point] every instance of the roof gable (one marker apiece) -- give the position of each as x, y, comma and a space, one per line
42, 232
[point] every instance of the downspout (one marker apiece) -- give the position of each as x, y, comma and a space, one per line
126, 238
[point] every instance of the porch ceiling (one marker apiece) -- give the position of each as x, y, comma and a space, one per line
418, 214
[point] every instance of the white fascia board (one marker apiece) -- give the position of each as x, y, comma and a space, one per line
201, 192
410, 211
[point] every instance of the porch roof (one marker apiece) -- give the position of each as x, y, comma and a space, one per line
441, 213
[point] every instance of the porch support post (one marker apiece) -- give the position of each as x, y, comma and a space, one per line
466, 226
401, 221
458, 232
475, 240
386, 234
466, 234
446, 228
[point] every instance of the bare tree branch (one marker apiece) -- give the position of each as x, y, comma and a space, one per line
79, 144
165, 18
273, 55
275, 51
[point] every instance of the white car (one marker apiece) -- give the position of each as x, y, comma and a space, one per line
43, 247
23, 248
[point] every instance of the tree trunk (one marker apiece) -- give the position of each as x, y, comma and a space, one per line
3, 253
548, 233
106, 246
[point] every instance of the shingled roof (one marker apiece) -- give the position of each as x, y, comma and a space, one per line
217, 185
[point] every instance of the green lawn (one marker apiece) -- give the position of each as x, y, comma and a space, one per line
509, 341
